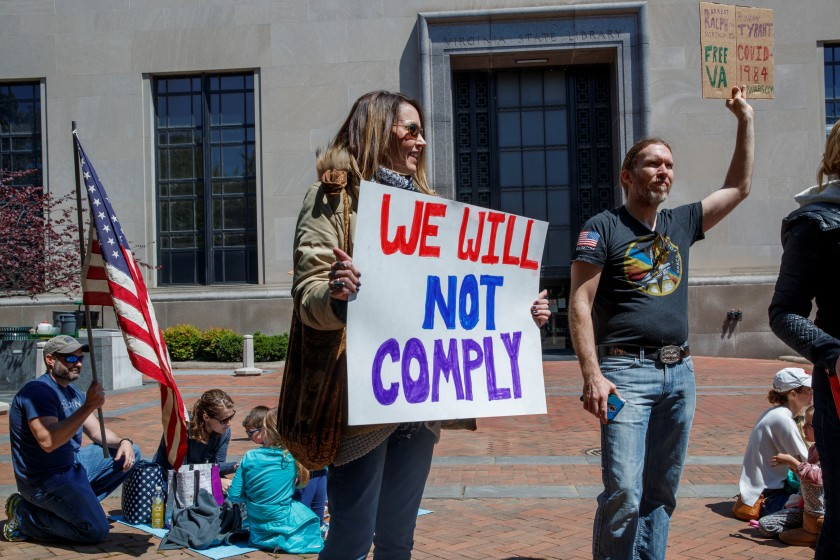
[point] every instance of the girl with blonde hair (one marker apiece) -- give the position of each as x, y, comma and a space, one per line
265, 482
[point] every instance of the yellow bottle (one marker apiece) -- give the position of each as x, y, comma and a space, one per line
157, 509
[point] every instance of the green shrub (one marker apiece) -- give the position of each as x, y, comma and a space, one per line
183, 342
228, 347
210, 341
284, 345
270, 348
217, 344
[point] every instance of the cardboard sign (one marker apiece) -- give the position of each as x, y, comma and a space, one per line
442, 327
736, 47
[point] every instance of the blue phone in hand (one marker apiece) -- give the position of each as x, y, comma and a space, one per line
614, 406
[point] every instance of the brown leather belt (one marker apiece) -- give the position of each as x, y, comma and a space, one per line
667, 355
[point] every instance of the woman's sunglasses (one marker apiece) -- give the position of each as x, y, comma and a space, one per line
225, 420
414, 130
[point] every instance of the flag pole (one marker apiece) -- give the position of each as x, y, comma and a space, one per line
93, 370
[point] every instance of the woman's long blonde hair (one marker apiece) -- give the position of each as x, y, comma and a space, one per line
271, 438
212, 402
830, 163
366, 135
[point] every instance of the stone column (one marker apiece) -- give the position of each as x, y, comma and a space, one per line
247, 358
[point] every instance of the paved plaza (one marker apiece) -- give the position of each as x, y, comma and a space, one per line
518, 488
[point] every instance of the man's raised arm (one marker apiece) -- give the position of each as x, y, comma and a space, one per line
736, 185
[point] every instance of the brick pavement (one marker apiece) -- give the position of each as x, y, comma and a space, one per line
520, 487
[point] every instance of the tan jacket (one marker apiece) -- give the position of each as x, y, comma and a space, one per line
320, 227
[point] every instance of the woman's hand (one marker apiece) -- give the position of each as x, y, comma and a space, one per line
539, 309
344, 277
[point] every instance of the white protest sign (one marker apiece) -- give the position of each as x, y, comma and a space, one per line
442, 326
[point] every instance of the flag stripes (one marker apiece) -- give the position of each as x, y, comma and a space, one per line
111, 276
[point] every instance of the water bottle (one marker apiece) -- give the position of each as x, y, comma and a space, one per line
157, 508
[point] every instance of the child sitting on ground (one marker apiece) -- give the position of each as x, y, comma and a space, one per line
794, 526
265, 482
314, 494
253, 424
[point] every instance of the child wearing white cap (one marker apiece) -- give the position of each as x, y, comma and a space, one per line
774, 433
790, 378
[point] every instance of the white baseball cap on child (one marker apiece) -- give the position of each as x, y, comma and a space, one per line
790, 378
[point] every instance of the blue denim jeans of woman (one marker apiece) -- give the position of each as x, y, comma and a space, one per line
642, 454
826, 435
65, 506
375, 498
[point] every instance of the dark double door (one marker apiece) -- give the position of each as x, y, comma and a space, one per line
539, 143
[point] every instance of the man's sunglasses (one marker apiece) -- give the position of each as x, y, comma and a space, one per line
71, 358
414, 130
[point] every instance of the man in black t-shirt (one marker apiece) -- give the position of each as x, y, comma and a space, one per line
629, 324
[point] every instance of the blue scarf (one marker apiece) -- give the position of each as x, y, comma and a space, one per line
391, 178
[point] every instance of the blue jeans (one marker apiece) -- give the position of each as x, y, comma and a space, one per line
642, 454
827, 434
65, 505
314, 494
375, 498
774, 501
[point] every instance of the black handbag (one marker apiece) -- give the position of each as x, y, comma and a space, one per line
139, 491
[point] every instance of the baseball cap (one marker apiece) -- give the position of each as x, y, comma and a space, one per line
790, 378
64, 344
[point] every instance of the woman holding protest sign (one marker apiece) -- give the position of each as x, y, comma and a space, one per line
378, 473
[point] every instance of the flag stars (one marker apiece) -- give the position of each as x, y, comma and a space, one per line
96, 202
87, 175
101, 215
91, 188
115, 254
111, 241
106, 229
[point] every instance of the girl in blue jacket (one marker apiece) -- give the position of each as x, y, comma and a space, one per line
265, 482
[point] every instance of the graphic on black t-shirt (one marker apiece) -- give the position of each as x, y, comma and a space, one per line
653, 265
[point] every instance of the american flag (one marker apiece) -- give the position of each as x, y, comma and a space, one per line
111, 276
588, 238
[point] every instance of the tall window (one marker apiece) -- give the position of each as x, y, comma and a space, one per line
20, 130
832, 85
206, 178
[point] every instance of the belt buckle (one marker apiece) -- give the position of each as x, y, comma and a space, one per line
670, 355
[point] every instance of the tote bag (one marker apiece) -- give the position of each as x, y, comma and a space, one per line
139, 491
184, 484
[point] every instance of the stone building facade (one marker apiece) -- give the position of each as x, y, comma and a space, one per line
203, 118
